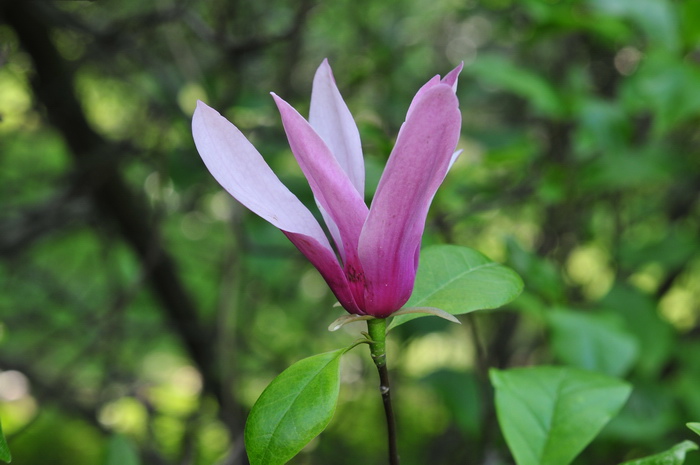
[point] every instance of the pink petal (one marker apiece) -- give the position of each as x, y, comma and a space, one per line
390, 241
332, 120
450, 79
331, 187
435, 80
242, 171
327, 264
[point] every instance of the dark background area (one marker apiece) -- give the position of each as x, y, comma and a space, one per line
142, 311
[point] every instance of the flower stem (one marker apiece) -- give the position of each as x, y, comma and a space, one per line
377, 334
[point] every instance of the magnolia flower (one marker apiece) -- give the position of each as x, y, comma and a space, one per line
373, 266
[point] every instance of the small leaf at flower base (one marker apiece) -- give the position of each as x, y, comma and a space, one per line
345, 319
694, 426
428, 311
460, 280
4, 448
674, 456
293, 409
549, 414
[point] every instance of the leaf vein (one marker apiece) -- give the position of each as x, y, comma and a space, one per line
455, 278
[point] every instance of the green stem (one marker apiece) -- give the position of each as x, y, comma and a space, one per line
377, 335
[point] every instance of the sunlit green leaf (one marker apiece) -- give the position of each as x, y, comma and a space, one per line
293, 409
460, 280
549, 414
674, 456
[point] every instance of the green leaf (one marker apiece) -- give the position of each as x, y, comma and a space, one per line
460, 280
549, 414
603, 126
641, 319
657, 18
4, 448
674, 456
665, 86
650, 413
293, 409
121, 451
460, 393
694, 426
541, 277
537, 90
587, 341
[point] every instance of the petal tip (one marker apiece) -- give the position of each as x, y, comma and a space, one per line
202, 109
324, 68
201, 105
452, 77
279, 101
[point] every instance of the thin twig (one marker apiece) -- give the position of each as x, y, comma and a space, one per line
385, 389
377, 333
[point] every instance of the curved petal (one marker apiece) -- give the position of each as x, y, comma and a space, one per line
332, 189
332, 120
390, 240
242, 171
329, 183
435, 80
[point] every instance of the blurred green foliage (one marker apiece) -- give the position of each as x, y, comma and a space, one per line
581, 170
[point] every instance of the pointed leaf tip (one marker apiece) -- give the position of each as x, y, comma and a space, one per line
295, 408
540, 409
